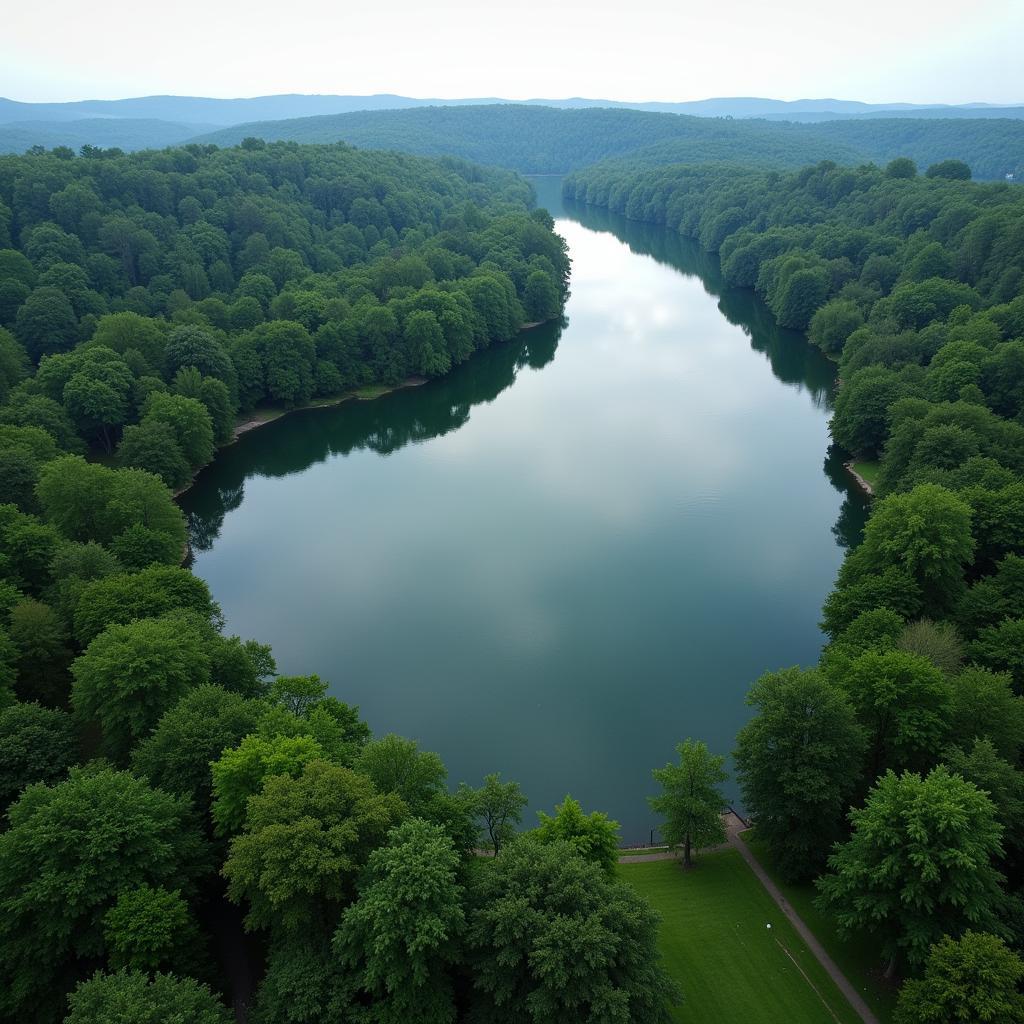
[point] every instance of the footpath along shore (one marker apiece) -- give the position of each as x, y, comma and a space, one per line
734, 825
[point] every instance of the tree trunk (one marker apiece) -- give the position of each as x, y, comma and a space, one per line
890, 970
687, 861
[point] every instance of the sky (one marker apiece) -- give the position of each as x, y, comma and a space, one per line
918, 51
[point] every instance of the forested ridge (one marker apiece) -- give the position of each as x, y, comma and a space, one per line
892, 770
547, 140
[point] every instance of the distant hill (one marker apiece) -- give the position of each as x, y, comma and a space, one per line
126, 134
548, 140
207, 110
551, 136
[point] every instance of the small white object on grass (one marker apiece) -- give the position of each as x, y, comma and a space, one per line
768, 925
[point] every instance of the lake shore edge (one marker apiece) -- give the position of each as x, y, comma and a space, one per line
367, 393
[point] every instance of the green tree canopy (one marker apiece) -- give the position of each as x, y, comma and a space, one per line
798, 761
403, 934
130, 675
304, 841
70, 850
552, 938
917, 866
691, 803
973, 978
239, 773
150, 928
135, 997
37, 744
594, 836
206, 722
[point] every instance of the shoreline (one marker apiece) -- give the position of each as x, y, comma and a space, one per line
861, 482
367, 393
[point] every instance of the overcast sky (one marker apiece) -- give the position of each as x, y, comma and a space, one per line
876, 50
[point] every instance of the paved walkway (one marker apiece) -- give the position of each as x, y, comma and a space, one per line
734, 825
805, 933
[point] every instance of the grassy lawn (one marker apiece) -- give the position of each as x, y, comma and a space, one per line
869, 469
731, 967
640, 851
857, 959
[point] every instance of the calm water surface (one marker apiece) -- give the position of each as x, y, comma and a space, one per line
574, 551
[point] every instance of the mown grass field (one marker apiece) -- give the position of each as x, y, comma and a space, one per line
732, 968
857, 959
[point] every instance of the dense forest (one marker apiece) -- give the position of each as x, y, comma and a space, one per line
545, 140
914, 716
186, 827
160, 294
183, 826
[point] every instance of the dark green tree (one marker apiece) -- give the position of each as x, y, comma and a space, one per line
551, 937
974, 978
798, 761
917, 866
135, 997
403, 935
70, 850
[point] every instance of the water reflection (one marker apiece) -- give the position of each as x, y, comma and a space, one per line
383, 426
562, 578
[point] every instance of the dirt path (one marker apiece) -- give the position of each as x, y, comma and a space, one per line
844, 986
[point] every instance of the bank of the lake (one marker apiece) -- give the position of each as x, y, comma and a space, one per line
570, 553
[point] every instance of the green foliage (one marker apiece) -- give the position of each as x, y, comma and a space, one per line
984, 706
594, 836
691, 803
304, 841
241, 771
154, 591
403, 934
148, 928
833, 323
917, 866
903, 704
396, 765
1001, 648
70, 850
798, 761
551, 937
197, 730
927, 534
974, 978
499, 805
37, 744
131, 674
953, 170
981, 764
86, 501
41, 640
134, 997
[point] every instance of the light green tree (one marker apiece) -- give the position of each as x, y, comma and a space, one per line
594, 836
690, 802
304, 841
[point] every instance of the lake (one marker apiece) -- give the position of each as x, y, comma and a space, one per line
570, 554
